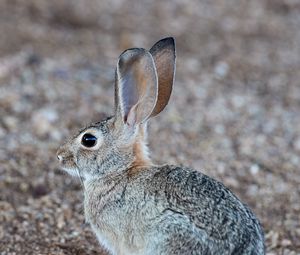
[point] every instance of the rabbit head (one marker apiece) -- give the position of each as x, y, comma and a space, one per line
143, 86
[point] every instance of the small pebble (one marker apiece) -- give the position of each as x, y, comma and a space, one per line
221, 69
254, 169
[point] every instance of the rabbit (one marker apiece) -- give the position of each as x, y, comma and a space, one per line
137, 207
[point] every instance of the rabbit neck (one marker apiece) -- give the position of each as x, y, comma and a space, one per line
141, 154
140, 149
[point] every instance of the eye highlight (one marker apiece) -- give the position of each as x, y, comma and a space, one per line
88, 140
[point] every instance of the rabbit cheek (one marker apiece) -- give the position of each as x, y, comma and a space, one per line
86, 161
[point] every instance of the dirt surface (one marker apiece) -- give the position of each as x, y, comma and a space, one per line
234, 113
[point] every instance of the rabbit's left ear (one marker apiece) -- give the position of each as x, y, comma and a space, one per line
164, 55
136, 86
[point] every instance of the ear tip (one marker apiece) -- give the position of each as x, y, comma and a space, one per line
130, 54
170, 40
165, 43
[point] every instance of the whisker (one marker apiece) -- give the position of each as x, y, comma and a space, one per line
80, 178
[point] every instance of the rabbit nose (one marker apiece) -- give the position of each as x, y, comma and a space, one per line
59, 157
59, 154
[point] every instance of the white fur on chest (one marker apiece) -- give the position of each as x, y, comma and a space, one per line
114, 228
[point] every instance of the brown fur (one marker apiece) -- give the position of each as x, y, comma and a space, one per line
141, 160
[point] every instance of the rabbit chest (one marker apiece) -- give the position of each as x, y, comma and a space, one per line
114, 218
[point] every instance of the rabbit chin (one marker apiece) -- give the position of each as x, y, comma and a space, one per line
71, 171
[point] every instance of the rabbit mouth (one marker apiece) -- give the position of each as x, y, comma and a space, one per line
68, 165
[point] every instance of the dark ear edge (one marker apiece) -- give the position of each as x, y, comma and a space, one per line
164, 56
165, 43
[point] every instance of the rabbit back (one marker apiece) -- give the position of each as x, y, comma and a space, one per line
222, 223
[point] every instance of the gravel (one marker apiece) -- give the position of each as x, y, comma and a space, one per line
234, 113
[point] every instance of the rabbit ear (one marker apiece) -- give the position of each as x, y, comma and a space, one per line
164, 56
136, 86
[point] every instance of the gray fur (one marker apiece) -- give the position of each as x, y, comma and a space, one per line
135, 207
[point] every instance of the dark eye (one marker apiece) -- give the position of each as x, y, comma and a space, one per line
88, 140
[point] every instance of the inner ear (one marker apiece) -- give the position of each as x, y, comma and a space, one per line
164, 55
136, 85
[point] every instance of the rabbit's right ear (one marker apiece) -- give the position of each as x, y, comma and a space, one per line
136, 86
164, 55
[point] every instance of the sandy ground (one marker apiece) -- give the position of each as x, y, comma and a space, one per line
234, 113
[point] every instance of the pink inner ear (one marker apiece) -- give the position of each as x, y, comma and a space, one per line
131, 117
137, 85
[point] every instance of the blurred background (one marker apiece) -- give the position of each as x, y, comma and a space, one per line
234, 113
